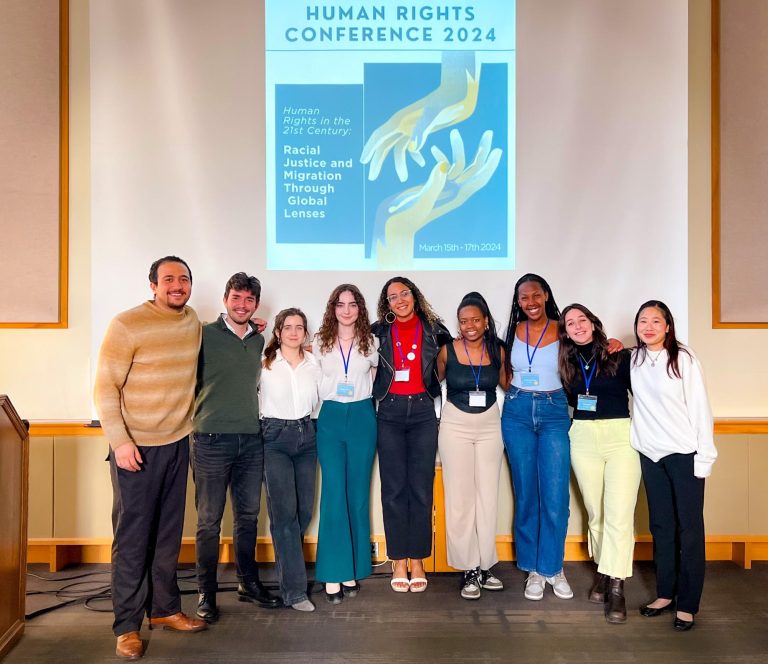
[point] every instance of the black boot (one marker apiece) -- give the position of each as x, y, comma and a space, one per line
253, 591
599, 587
206, 607
615, 605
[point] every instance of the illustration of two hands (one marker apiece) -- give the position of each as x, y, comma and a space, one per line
450, 182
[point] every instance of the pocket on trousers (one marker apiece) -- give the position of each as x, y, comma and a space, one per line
271, 430
204, 438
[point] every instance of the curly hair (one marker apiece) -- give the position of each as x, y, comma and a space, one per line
606, 363
270, 352
326, 335
421, 307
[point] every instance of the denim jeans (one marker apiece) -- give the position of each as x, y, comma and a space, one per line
534, 426
221, 460
407, 444
290, 469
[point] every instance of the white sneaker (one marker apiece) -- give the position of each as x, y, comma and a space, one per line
560, 585
489, 582
534, 586
470, 586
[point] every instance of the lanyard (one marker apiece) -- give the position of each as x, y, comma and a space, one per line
476, 376
536, 347
587, 380
345, 360
416, 334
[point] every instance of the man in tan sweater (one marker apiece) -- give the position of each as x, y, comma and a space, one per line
144, 393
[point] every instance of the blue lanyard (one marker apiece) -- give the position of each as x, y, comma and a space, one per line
345, 360
536, 347
587, 380
416, 334
476, 376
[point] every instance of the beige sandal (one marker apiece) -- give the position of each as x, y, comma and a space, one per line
400, 584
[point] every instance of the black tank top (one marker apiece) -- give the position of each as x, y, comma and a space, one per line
460, 381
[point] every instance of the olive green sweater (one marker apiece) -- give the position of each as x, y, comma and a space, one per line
228, 374
145, 378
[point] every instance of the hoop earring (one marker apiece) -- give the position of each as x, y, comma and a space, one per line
387, 317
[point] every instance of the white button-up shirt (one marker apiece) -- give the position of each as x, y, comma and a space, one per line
287, 393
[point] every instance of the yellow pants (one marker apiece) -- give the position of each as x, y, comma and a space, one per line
608, 472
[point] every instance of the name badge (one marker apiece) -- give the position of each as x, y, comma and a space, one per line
402, 375
345, 390
476, 399
587, 402
530, 379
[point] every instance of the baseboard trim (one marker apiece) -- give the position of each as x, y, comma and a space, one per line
60, 552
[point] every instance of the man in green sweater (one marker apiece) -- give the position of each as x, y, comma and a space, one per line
144, 393
227, 447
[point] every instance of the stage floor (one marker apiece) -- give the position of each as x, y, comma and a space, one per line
382, 627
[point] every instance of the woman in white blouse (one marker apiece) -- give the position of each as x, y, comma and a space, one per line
673, 431
288, 395
346, 442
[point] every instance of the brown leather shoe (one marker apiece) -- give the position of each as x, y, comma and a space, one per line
615, 604
178, 622
129, 646
599, 588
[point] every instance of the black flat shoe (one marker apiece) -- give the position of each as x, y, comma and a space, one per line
649, 612
350, 591
334, 598
681, 625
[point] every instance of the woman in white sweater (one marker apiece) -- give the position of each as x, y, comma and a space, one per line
673, 431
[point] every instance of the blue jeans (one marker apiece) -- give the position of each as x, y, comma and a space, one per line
290, 468
221, 460
535, 426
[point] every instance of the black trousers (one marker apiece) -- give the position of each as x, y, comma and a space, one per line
407, 445
676, 510
147, 521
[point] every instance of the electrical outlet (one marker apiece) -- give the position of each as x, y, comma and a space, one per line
375, 550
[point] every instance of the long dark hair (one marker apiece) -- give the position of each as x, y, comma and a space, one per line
671, 344
270, 352
421, 307
326, 335
491, 338
517, 315
567, 361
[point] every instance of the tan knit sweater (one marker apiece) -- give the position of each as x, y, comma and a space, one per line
145, 379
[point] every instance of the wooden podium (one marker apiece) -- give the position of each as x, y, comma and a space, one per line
14, 482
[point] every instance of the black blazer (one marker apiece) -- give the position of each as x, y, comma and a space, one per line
433, 337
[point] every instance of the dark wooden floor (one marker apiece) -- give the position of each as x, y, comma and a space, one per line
382, 627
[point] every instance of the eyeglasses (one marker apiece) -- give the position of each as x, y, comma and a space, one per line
402, 295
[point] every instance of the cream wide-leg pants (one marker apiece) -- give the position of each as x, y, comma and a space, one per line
471, 451
607, 470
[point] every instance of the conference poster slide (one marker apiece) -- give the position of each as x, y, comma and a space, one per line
390, 135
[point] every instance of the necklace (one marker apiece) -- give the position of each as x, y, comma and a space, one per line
654, 359
587, 362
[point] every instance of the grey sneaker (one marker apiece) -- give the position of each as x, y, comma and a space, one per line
489, 582
470, 585
560, 585
303, 605
534, 586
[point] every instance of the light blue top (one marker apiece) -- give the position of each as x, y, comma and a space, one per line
544, 364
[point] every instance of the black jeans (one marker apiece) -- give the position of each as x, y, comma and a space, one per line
676, 511
290, 470
407, 445
221, 460
147, 521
